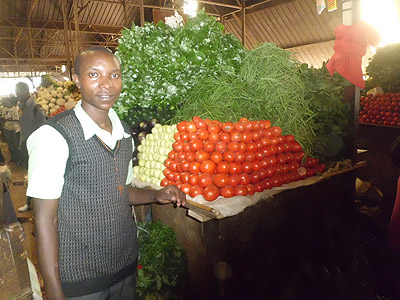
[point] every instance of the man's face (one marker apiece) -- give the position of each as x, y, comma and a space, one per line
21, 93
99, 80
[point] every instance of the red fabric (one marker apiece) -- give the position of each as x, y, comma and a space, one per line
350, 46
394, 226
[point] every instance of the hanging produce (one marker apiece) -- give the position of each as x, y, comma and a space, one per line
161, 64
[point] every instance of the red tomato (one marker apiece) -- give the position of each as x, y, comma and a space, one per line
186, 147
194, 167
259, 155
256, 135
265, 140
171, 154
225, 137
193, 179
242, 147
289, 138
259, 186
201, 155
277, 180
251, 147
227, 127
229, 156
236, 136
295, 147
293, 166
200, 123
247, 167
216, 157
196, 190
164, 182
209, 146
235, 168
240, 190
233, 146
222, 167
196, 145
234, 180
211, 192
191, 127
256, 166
214, 127
213, 137
246, 136
250, 156
240, 157
193, 136
220, 147
185, 188
177, 136
177, 177
184, 136
227, 191
190, 156
204, 180
177, 146
276, 131
207, 166
203, 134
180, 156
255, 177
244, 179
250, 189
184, 165
181, 126
263, 173
221, 180
238, 126
270, 171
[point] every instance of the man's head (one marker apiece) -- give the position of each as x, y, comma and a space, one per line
97, 73
22, 91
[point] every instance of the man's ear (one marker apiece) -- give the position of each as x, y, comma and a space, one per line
75, 78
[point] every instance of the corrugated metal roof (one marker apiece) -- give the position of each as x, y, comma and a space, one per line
292, 25
295, 26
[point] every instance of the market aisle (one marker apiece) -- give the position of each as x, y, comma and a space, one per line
17, 191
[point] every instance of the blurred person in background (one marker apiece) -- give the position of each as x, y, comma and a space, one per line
11, 128
31, 118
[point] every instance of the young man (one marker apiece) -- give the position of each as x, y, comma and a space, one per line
79, 175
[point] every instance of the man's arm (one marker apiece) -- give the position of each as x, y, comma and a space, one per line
45, 212
171, 193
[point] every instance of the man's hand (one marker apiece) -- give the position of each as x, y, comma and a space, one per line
170, 194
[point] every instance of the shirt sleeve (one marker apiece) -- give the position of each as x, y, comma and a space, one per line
48, 155
129, 178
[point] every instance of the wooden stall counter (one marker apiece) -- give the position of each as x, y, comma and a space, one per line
255, 247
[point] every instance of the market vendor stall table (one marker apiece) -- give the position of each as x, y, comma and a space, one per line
252, 248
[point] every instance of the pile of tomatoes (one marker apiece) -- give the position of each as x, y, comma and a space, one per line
213, 159
382, 109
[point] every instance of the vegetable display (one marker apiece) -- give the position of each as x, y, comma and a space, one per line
161, 64
381, 109
57, 96
383, 69
212, 158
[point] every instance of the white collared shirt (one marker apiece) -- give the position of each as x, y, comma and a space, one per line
48, 153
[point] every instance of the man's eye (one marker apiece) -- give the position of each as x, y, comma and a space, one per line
92, 74
115, 75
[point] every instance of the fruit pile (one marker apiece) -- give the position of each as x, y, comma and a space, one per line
213, 159
382, 109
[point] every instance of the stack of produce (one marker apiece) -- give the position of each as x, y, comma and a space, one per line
381, 109
57, 96
153, 152
213, 159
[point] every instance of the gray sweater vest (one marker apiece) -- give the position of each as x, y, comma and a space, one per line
97, 233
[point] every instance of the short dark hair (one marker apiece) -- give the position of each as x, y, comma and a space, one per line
78, 58
22, 86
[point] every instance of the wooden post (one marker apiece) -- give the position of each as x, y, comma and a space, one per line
66, 39
243, 10
141, 8
125, 13
75, 8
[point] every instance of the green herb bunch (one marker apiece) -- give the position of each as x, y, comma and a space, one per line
162, 269
160, 64
332, 116
383, 69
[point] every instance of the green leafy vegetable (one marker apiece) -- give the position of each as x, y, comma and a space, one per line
162, 269
161, 64
383, 69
